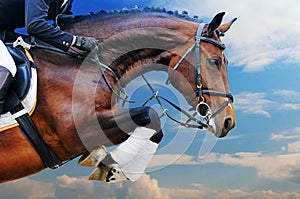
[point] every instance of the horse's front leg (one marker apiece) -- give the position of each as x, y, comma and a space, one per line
140, 117
111, 127
129, 159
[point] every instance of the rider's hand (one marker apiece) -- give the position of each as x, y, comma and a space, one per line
87, 44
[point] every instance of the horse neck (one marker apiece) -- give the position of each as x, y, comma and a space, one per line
133, 42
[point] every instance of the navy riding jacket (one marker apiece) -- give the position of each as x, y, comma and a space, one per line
33, 14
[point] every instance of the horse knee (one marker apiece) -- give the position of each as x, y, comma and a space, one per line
154, 121
146, 117
157, 137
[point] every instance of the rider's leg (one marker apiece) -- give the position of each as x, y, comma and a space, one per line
7, 72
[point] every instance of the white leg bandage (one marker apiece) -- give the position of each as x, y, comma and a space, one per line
133, 145
6, 60
135, 168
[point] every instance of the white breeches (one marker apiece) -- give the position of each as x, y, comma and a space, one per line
6, 60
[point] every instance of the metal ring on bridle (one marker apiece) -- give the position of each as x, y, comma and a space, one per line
203, 109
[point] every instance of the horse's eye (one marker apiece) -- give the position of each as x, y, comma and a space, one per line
214, 62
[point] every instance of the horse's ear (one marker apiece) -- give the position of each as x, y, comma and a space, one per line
215, 23
225, 27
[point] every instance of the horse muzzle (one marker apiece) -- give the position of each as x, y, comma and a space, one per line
222, 123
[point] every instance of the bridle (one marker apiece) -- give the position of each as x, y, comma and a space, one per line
202, 108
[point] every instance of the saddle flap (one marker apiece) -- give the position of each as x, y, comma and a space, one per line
16, 55
22, 78
22, 81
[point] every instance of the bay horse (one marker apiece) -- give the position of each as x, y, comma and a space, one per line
71, 96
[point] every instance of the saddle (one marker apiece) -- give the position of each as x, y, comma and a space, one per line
22, 79
17, 95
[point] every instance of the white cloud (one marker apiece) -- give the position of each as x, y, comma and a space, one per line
228, 194
277, 166
264, 102
290, 98
290, 134
294, 147
253, 103
79, 188
27, 189
287, 99
289, 106
272, 166
145, 188
290, 95
284, 137
65, 181
263, 34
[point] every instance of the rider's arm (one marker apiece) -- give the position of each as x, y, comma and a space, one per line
36, 13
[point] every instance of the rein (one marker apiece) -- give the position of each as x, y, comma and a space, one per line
202, 108
53, 49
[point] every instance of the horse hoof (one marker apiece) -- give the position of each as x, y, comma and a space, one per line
109, 174
115, 174
99, 173
94, 158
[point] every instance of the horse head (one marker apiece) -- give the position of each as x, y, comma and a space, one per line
210, 93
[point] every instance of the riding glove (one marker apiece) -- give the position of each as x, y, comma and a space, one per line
87, 44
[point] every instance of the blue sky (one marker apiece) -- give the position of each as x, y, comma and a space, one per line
259, 159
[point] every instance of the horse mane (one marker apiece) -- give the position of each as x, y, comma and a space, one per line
125, 62
63, 21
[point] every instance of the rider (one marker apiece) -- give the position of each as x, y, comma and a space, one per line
33, 14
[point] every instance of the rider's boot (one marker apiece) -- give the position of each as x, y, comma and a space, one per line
6, 80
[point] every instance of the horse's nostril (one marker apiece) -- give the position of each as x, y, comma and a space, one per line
227, 123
